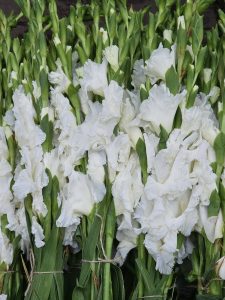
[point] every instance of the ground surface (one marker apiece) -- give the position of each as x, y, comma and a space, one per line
63, 8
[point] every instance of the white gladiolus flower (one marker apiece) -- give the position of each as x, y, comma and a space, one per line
213, 226
97, 129
118, 152
184, 251
127, 237
95, 77
78, 198
32, 178
95, 167
3, 297
138, 76
77, 70
52, 162
6, 205
111, 54
69, 238
26, 131
160, 107
65, 119
127, 122
21, 226
164, 259
112, 105
181, 181
200, 118
127, 187
68, 151
151, 143
159, 63
58, 78
85, 99
38, 233
9, 119
6, 249
220, 267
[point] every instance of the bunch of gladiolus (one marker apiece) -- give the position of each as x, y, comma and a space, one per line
112, 152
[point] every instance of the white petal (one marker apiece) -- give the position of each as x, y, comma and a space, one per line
27, 133
38, 233
111, 106
127, 187
160, 107
95, 77
213, 226
58, 78
159, 62
95, 167
118, 152
6, 249
127, 238
78, 198
111, 53
138, 76
151, 143
220, 267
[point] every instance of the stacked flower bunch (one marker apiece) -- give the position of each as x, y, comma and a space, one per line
112, 145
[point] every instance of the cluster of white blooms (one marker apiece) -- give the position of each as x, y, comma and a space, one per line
6, 204
180, 180
30, 176
180, 177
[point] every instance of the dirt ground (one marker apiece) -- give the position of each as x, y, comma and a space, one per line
63, 8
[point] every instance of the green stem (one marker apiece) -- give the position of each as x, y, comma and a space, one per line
141, 256
168, 286
109, 233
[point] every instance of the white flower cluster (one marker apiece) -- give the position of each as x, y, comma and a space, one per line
180, 179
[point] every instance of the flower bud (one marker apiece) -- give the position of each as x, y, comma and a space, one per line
167, 35
220, 267
207, 72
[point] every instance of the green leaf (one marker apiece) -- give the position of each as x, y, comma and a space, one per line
41, 283
43, 78
141, 151
163, 138
90, 247
222, 197
180, 240
214, 205
219, 147
178, 118
117, 283
135, 294
47, 200
47, 127
77, 294
197, 33
143, 92
172, 80
146, 277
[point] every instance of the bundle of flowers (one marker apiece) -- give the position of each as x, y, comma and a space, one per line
112, 143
